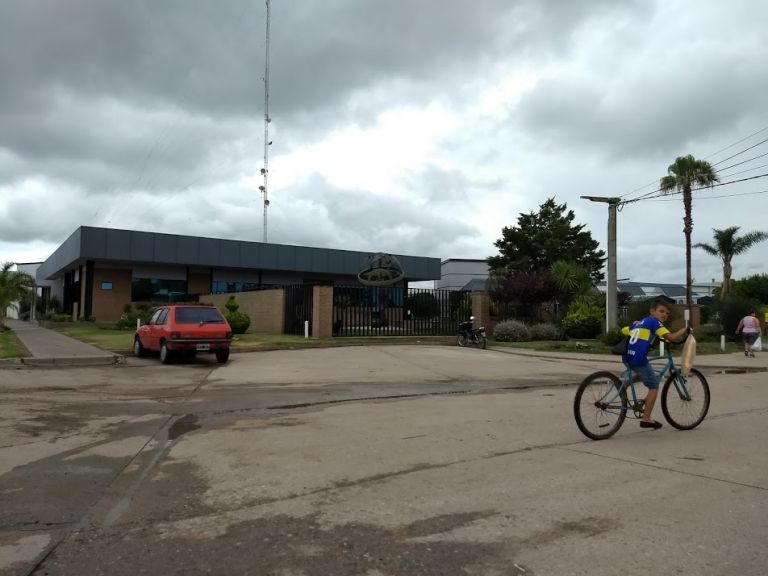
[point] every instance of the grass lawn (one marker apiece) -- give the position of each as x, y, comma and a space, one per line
122, 340
11, 347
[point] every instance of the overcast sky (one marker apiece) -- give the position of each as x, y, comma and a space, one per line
407, 126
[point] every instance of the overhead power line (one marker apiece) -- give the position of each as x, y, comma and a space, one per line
711, 197
655, 181
676, 192
741, 152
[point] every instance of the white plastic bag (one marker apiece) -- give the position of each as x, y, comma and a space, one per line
688, 355
758, 345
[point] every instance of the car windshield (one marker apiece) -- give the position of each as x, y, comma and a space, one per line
198, 316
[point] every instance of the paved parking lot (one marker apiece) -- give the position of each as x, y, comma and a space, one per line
369, 460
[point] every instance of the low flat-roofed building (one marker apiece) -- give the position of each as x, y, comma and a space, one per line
97, 271
462, 274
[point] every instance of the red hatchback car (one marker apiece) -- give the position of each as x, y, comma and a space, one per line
184, 329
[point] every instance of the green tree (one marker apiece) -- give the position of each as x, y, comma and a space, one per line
541, 239
754, 287
13, 288
570, 280
681, 176
726, 246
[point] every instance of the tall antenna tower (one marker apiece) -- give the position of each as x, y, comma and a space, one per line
267, 120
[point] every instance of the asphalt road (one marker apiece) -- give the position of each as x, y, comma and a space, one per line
373, 461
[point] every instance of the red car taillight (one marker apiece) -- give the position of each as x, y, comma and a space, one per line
228, 335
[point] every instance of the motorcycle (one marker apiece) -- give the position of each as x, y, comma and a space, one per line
468, 334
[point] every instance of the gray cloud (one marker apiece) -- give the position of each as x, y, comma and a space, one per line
148, 115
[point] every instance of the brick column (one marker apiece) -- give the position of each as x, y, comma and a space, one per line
322, 311
695, 316
481, 310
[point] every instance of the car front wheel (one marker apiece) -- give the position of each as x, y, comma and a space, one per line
138, 349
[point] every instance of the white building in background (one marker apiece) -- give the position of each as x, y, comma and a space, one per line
644, 290
462, 274
29, 268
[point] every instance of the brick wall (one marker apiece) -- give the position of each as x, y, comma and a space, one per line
108, 304
264, 307
322, 311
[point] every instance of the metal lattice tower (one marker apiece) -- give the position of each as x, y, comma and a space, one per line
267, 120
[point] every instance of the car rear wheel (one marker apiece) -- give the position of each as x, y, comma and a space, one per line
138, 349
222, 355
165, 354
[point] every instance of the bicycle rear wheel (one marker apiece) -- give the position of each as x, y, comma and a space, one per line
685, 407
600, 406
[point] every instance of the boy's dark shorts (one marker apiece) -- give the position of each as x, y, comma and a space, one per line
750, 337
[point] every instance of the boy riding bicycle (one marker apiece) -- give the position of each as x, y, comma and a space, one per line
642, 334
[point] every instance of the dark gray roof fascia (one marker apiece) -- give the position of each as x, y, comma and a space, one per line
63, 257
130, 246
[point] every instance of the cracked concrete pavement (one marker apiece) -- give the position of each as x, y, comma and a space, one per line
380, 460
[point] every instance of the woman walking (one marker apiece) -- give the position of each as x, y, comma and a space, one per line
751, 329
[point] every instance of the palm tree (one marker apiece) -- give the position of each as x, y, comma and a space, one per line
13, 287
726, 246
681, 177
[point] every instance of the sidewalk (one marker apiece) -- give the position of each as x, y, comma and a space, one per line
731, 361
50, 348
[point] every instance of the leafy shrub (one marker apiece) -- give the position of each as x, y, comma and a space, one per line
585, 317
585, 323
545, 331
708, 333
611, 338
732, 310
511, 331
60, 318
231, 305
239, 321
130, 315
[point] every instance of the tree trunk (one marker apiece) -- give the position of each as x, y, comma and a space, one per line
687, 228
725, 292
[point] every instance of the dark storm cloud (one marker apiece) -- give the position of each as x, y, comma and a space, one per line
108, 95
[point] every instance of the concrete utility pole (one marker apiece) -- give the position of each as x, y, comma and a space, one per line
611, 289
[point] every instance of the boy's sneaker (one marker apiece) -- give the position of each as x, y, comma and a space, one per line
651, 424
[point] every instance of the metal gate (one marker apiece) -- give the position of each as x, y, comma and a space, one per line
297, 309
393, 311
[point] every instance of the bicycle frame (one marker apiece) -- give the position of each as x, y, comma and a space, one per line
627, 378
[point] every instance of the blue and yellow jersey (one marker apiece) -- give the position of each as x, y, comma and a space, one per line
641, 336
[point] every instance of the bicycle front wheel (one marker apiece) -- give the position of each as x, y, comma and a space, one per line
685, 401
600, 406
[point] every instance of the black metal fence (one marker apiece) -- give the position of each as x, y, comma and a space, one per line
393, 311
297, 309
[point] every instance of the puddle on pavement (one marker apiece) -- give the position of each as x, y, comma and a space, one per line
740, 371
185, 424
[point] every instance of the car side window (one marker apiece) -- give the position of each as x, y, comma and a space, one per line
155, 316
163, 316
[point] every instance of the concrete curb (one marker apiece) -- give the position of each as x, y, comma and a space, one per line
73, 361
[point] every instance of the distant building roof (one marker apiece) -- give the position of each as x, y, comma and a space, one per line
676, 292
476, 285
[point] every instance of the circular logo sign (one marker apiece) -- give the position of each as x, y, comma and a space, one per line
381, 270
